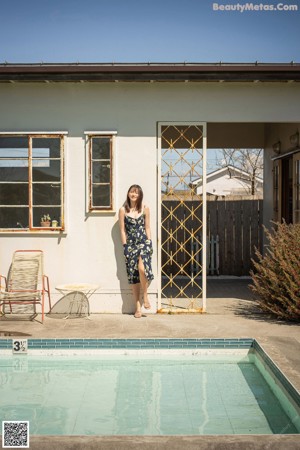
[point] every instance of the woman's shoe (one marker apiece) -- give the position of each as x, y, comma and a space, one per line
138, 315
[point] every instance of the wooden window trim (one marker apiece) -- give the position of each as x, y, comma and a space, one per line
111, 136
32, 135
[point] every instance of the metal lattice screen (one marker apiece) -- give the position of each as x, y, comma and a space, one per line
181, 217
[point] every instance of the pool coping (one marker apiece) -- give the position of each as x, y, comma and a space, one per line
204, 442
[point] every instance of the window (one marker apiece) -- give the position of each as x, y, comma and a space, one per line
100, 172
31, 182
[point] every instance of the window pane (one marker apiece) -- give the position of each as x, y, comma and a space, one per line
40, 152
46, 194
101, 196
101, 172
46, 170
13, 153
13, 147
54, 213
13, 194
46, 147
14, 217
101, 148
9, 173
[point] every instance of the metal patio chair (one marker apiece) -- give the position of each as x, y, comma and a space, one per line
25, 283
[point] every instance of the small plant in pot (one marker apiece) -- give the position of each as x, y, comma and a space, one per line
45, 220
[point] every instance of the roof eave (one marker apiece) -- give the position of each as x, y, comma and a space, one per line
150, 72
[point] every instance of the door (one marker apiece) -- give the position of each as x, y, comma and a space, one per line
287, 190
296, 188
182, 217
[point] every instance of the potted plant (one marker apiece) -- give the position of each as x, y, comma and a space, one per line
45, 220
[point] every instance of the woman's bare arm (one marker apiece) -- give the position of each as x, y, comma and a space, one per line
147, 222
122, 225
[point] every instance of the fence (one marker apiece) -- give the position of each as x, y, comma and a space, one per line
234, 229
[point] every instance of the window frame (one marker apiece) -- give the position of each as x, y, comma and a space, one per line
30, 137
90, 135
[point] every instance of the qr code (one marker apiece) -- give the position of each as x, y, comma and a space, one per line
15, 434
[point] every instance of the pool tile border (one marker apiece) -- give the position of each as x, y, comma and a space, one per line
164, 343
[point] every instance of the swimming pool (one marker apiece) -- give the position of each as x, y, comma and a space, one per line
146, 387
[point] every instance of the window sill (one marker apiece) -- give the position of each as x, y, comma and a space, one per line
103, 212
47, 232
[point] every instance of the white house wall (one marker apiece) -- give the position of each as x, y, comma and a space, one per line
90, 250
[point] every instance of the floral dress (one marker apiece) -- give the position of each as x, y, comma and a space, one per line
137, 245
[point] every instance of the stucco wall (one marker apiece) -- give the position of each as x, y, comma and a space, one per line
90, 250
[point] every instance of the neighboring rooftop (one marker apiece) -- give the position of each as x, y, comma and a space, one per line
186, 71
228, 181
236, 173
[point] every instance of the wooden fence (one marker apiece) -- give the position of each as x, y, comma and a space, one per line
238, 224
234, 229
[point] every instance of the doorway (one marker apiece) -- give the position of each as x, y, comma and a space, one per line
287, 190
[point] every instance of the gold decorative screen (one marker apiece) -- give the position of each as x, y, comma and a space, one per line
181, 217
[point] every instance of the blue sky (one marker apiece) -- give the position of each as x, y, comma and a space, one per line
146, 31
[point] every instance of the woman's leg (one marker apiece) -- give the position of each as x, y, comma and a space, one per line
144, 283
136, 296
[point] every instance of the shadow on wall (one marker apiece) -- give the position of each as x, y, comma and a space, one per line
128, 305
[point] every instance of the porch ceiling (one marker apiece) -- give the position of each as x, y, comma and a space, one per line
219, 72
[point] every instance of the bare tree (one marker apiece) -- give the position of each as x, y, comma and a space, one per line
249, 160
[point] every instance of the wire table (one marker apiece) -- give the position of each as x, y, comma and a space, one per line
79, 294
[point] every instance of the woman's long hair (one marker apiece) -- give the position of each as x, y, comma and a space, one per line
139, 190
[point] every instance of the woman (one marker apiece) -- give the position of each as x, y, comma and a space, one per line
134, 219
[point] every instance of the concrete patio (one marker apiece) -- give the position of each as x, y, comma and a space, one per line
231, 312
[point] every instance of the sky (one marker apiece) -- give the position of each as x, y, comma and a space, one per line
67, 31
148, 31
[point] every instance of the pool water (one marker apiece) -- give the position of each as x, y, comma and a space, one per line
139, 395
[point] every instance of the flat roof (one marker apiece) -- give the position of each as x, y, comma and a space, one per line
170, 72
